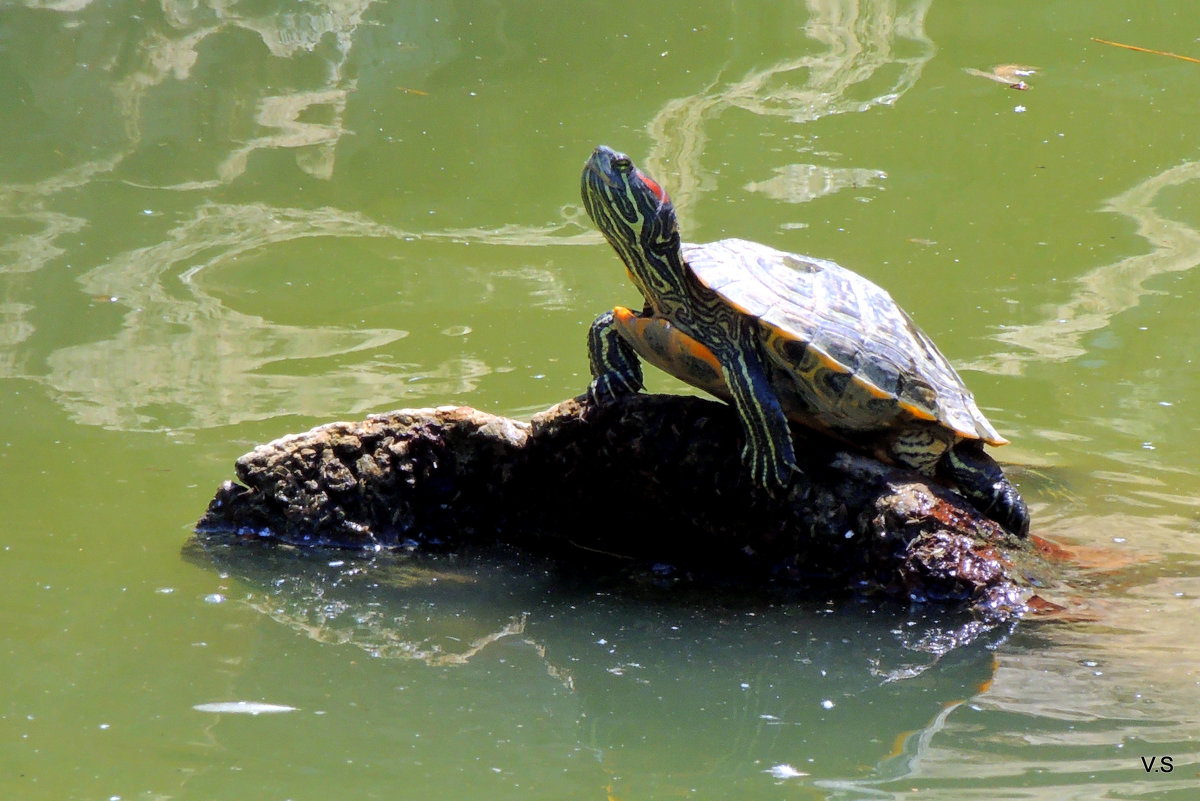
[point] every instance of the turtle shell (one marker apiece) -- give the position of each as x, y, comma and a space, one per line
855, 360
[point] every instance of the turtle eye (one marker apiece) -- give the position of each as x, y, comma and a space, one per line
622, 165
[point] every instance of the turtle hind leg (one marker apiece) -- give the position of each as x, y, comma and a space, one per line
616, 371
981, 480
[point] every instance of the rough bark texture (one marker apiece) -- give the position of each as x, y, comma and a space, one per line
652, 479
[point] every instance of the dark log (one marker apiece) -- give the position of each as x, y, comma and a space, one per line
652, 480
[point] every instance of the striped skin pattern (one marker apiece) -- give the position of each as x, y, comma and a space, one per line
615, 366
637, 219
783, 336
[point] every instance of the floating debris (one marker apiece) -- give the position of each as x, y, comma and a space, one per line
243, 708
800, 183
1147, 50
1011, 75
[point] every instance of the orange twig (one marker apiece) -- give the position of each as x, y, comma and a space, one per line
1147, 50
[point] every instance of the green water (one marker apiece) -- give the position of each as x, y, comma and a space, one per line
224, 221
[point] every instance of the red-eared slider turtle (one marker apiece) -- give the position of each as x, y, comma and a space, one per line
783, 336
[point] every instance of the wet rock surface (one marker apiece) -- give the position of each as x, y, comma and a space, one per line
654, 481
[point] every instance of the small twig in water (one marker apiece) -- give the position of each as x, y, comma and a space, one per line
1147, 50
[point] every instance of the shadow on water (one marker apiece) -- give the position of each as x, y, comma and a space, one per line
669, 684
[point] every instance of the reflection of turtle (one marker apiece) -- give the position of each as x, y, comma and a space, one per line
783, 336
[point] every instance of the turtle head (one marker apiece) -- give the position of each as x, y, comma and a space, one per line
636, 217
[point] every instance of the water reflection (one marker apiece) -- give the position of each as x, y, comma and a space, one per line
307, 27
14, 329
667, 690
799, 183
1070, 709
182, 357
168, 166
873, 53
30, 205
1106, 291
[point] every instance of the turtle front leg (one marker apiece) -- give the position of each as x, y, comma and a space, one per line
616, 370
983, 482
768, 452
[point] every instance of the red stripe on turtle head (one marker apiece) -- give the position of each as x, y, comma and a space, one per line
653, 186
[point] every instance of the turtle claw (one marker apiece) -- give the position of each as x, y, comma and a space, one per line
984, 484
616, 371
608, 388
774, 476
1009, 510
